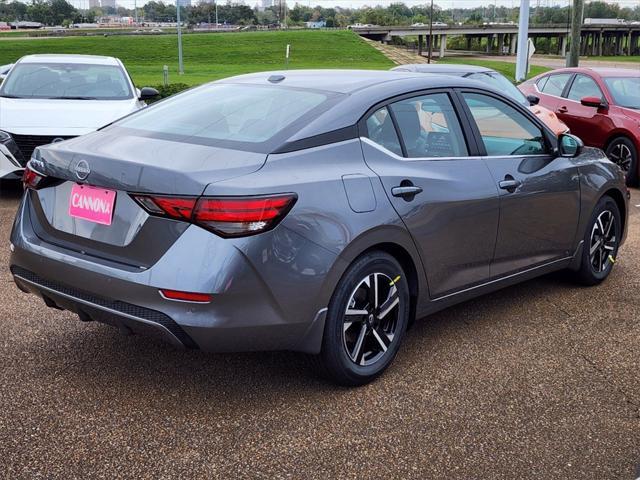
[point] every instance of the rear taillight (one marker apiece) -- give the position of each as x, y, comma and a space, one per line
186, 296
225, 216
31, 178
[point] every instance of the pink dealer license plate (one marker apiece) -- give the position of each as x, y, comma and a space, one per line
92, 203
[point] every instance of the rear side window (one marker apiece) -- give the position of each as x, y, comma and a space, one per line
429, 127
381, 130
504, 130
542, 82
584, 86
555, 84
237, 113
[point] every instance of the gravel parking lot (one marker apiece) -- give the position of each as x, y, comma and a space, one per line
536, 381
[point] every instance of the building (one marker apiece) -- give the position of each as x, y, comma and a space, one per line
94, 3
184, 3
108, 3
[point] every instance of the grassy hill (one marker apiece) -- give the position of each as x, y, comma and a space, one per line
213, 55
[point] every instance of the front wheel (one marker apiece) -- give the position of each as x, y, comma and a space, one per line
601, 242
622, 152
367, 319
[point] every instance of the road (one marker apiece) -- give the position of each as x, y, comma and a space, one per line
537, 381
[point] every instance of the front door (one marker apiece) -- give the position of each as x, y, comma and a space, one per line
446, 198
539, 193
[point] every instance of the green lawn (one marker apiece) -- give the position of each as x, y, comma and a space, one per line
214, 55
505, 68
621, 58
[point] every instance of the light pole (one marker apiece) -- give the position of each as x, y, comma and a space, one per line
216, 13
430, 33
523, 41
180, 65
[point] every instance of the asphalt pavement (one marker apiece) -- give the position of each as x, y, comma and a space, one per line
536, 381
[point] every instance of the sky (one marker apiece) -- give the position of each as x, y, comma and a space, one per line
359, 3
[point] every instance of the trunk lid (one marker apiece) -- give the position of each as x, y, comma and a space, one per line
120, 160
126, 164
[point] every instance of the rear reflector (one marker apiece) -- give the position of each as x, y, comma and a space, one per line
185, 296
225, 216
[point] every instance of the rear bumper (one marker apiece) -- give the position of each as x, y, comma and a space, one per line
249, 311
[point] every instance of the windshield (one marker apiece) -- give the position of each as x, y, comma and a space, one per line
500, 83
223, 112
66, 81
625, 91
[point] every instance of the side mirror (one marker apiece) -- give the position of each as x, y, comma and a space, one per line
533, 100
595, 102
147, 93
569, 146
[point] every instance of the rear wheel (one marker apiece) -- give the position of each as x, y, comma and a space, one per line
622, 152
601, 242
367, 319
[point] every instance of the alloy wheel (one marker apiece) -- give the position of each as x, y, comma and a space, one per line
371, 319
621, 155
603, 241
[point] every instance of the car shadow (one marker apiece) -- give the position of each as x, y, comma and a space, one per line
97, 356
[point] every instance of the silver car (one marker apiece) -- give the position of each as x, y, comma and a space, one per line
314, 211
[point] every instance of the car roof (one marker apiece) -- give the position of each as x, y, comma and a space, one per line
440, 68
64, 58
360, 89
601, 71
337, 81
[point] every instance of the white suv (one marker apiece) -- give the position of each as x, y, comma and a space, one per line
50, 98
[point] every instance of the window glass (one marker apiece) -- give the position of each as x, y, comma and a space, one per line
237, 113
429, 127
381, 130
66, 80
502, 84
625, 91
556, 83
504, 130
584, 86
541, 83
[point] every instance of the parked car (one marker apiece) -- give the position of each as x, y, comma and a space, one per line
50, 98
492, 79
311, 211
600, 105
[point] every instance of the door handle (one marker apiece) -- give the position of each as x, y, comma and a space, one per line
562, 109
406, 192
509, 183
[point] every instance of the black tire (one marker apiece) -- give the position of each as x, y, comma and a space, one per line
623, 152
335, 361
596, 266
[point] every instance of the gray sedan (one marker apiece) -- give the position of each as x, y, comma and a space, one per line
314, 211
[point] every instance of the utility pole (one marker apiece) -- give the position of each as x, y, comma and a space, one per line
216, 13
576, 26
180, 65
523, 41
135, 9
430, 34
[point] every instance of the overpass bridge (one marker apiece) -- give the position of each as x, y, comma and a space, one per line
618, 39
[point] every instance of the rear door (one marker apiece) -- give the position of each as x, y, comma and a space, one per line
539, 193
551, 89
591, 124
438, 184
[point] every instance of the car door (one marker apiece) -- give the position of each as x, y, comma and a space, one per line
551, 89
439, 186
539, 193
591, 124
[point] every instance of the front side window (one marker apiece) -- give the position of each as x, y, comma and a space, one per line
584, 86
69, 81
504, 130
429, 127
381, 130
555, 84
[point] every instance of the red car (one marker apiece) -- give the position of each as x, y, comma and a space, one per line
599, 105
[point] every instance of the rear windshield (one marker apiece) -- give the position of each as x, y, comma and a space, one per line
227, 114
